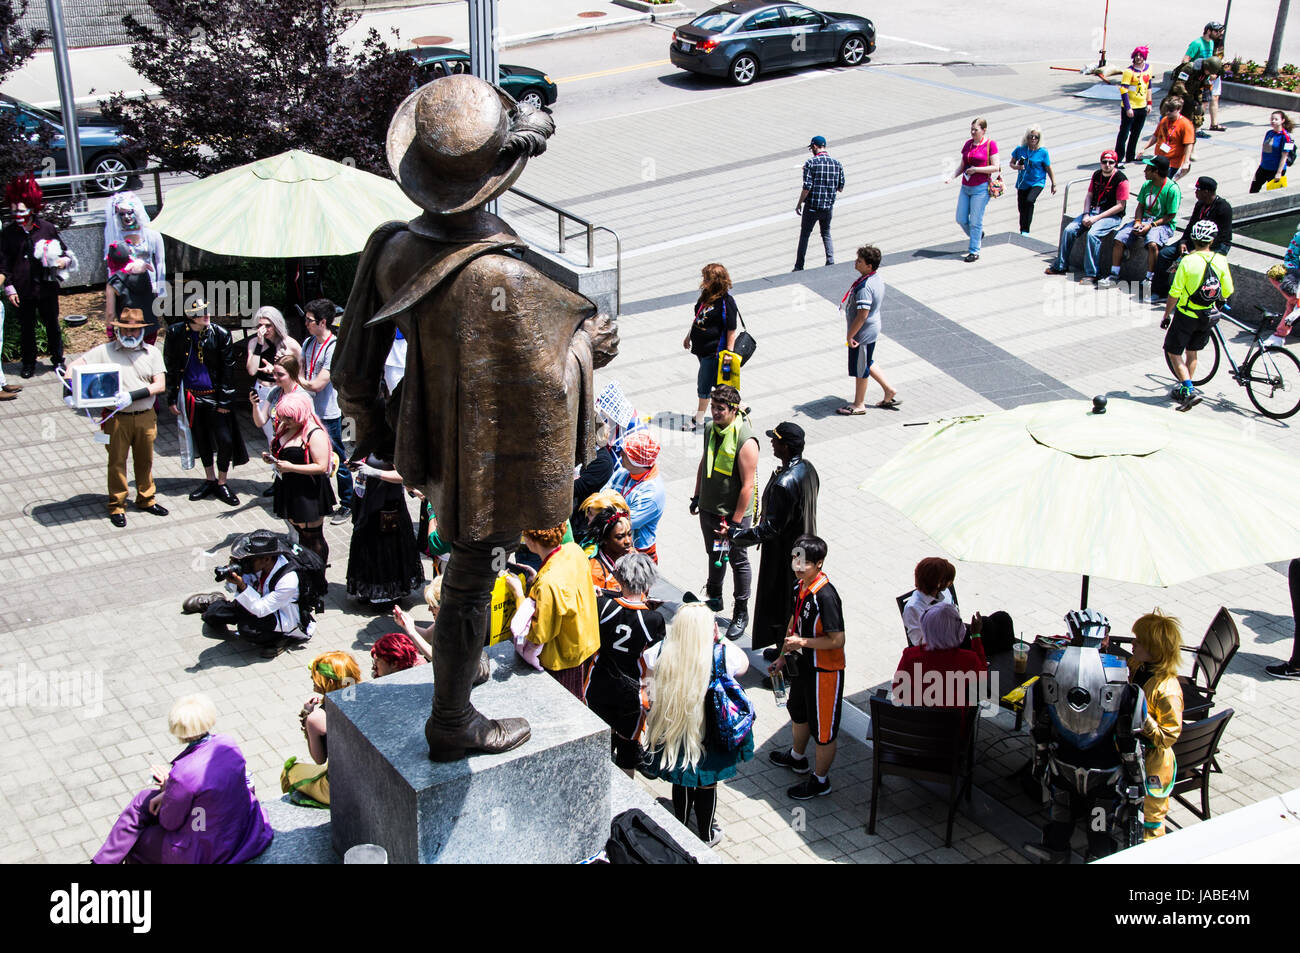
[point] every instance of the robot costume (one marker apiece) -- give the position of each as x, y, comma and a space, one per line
1087, 720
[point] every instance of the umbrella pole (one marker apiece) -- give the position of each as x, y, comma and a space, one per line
1083, 596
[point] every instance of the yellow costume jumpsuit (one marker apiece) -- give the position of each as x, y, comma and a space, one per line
1163, 725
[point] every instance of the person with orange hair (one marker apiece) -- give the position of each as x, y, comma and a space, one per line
1154, 665
302, 455
31, 286
559, 612
307, 783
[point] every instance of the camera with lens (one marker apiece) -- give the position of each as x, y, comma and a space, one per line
221, 572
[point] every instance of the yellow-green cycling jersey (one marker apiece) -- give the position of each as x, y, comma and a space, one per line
1188, 279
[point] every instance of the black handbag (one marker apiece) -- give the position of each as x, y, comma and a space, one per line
745, 344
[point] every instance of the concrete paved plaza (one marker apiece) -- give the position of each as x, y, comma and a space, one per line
709, 178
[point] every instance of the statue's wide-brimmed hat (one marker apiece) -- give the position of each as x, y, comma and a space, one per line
445, 144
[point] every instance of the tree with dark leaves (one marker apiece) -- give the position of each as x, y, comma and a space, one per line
18, 154
241, 80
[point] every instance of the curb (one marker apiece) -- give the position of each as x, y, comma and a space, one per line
523, 38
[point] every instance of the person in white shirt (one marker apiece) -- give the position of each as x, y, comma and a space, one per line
933, 577
265, 609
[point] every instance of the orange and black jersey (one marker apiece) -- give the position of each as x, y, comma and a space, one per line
626, 631
817, 612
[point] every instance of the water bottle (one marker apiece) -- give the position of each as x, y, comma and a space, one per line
779, 689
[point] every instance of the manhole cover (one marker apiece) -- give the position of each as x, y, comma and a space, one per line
431, 40
592, 13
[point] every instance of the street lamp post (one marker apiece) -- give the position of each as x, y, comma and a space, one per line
67, 102
1275, 51
483, 54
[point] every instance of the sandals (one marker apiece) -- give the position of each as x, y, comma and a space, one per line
847, 411
1055, 271
889, 404
690, 424
1218, 129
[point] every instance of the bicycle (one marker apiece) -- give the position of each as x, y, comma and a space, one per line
1271, 375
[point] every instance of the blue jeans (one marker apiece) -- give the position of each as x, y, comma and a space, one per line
970, 213
822, 218
1092, 250
334, 427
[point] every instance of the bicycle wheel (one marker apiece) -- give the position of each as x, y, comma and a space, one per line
1272, 379
1206, 365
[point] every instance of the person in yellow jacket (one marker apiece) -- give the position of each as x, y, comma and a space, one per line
562, 603
1158, 642
1203, 281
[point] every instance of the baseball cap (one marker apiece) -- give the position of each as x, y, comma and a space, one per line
1110, 154
818, 141
1213, 26
787, 433
1205, 182
1160, 163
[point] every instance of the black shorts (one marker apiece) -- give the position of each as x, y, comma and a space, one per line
627, 754
1186, 334
817, 698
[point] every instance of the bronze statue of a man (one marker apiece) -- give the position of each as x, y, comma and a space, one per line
496, 404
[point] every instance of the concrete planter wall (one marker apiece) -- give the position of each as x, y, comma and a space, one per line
1260, 96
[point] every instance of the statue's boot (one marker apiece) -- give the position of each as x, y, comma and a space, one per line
455, 727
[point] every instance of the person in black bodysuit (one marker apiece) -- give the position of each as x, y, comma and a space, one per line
383, 561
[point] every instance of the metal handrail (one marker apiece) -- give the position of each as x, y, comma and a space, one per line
590, 229
157, 174
1065, 207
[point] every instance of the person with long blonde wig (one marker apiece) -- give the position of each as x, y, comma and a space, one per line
1159, 639
678, 748
302, 456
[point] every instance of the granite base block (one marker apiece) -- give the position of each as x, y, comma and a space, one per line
547, 801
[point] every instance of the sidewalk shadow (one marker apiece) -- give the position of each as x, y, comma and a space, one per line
83, 506
821, 408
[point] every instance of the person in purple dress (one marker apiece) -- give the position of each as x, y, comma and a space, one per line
204, 810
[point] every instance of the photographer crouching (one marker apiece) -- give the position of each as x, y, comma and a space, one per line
276, 586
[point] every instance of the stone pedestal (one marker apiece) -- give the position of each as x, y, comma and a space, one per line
547, 801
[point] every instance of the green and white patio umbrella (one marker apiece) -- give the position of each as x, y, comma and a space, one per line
294, 205
1138, 494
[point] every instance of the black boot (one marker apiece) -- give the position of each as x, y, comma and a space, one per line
455, 728
739, 619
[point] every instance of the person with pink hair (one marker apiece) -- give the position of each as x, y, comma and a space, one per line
302, 455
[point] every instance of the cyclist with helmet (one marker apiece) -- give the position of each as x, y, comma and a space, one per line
1202, 283
1209, 205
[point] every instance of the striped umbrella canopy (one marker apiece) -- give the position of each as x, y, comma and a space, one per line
294, 205
1138, 494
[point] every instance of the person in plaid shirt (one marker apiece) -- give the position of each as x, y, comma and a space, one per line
823, 177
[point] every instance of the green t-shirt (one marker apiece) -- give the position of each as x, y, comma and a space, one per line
1159, 203
1200, 48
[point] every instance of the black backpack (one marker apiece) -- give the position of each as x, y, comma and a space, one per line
1210, 290
636, 839
312, 586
